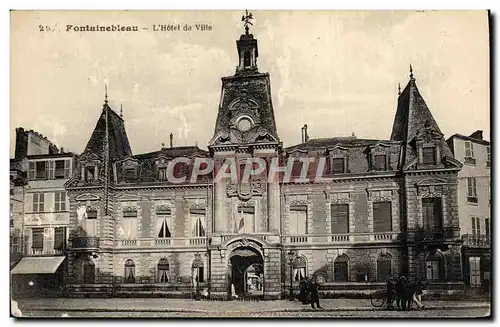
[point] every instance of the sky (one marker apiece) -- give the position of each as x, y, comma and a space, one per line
336, 71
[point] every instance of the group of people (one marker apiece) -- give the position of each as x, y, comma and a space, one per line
404, 292
308, 292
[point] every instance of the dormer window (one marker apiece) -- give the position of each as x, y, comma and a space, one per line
338, 165
380, 162
90, 174
429, 156
162, 174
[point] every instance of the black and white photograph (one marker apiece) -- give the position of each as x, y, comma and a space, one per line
250, 164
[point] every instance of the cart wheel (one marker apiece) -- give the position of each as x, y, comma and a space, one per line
377, 302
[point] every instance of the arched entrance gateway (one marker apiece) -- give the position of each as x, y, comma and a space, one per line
245, 269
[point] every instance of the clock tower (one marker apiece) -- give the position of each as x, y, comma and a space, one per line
246, 211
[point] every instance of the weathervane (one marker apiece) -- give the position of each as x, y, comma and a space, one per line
246, 18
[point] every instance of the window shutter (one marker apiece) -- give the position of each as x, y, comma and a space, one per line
32, 171
41, 204
37, 238
473, 225
34, 201
47, 170
67, 164
382, 217
51, 165
59, 238
340, 219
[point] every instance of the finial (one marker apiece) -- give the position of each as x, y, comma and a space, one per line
121, 110
399, 88
246, 18
411, 72
162, 145
105, 94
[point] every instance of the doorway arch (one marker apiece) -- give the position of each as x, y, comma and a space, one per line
246, 272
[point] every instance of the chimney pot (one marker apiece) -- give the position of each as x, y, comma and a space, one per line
171, 140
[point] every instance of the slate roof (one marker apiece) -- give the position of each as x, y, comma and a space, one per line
325, 143
174, 152
119, 146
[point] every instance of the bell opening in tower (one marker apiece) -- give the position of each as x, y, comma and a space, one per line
246, 59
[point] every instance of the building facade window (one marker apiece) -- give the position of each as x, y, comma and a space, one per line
384, 267
89, 174
91, 222
198, 228
380, 162
475, 227
129, 277
432, 213
488, 156
130, 174
382, 217
163, 217
88, 272
341, 269
475, 271
163, 269
41, 170
60, 238
299, 268
338, 165
38, 202
37, 240
198, 270
162, 174
469, 153
471, 190
434, 267
340, 219
429, 156
130, 224
60, 201
298, 220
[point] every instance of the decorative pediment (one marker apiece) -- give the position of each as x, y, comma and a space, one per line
163, 208
88, 156
72, 182
198, 206
297, 151
337, 149
129, 163
432, 181
432, 187
380, 145
87, 197
129, 208
382, 195
263, 134
339, 197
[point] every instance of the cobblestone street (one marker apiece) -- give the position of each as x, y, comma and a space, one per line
182, 308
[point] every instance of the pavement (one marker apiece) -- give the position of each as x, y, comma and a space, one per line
159, 305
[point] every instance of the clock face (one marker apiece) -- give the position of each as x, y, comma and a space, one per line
244, 124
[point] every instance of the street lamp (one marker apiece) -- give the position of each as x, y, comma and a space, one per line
291, 256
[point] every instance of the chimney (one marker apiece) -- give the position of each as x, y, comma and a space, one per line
302, 134
306, 136
478, 135
62, 150
171, 140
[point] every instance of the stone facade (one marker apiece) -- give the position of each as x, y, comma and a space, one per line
135, 233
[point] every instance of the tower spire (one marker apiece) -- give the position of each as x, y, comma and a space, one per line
411, 73
399, 88
105, 94
121, 110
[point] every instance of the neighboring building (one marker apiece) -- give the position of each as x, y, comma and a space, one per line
474, 198
17, 182
41, 233
390, 206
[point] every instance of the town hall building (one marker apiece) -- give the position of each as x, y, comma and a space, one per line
389, 207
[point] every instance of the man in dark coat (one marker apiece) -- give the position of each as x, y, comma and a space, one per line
313, 289
303, 290
390, 292
409, 290
400, 289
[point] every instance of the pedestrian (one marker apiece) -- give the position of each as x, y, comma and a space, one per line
313, 289
417, 294
400, 289
408, 295
390, 293
303, 290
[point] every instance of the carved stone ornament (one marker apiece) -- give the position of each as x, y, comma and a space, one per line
245, 191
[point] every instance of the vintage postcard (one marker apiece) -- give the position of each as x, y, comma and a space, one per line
250, 164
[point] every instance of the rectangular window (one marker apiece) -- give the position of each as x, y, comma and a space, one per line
89, 174
198, 227
340, 272
60, 201
429, 156
245, 220
163, 272
41, 170
340, 219
487, 227
59, 238
297, 167
380, 162
200, 274
488, 156
382, 217
432, 270
37, 239
60, 169
475, 226
162, 174
432, 213
91, 222
298, 220
338, 165
38, 202
162, 223
469, 149
130, 224
15, 244
475, 271
471, 190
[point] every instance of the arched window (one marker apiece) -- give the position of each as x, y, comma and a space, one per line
299, 268
384, 267
434, 266
88, 272
163, 271
198, 270
341, 269
129, 271
246, 59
